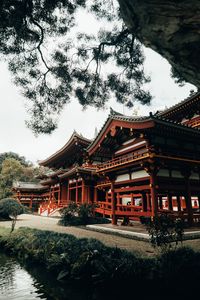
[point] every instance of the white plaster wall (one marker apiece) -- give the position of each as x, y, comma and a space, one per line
122, 177
139, 174
163, 173
126, 200
176, 174
194, 175
130, 147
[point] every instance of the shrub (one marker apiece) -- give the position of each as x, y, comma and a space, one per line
75, 215
10, 208
85, 212
165, 232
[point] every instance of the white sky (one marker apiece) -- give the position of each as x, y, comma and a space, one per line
14, 136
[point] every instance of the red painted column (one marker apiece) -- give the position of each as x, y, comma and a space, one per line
76, 191
148, 202
179, 203
68, 196
170, 204
154, 200
31, 202
189, 202
114, 219
199, 201
59, 194
160, 202
144, 202
83, 200
95, 194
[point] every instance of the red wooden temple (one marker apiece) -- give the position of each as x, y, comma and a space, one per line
136, 166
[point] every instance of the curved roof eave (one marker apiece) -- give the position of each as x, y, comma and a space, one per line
132, 121
72, 140
180, 105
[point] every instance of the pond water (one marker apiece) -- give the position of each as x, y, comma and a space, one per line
18, 283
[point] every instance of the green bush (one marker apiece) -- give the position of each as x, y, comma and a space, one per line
10, 209
165, 232
75, 215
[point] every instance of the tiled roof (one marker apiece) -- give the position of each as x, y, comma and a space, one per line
75, 136
120, 117
76, 170
174, 108
27, 185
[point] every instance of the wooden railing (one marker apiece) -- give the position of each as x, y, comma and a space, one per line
134, 156
121, 210
52, 206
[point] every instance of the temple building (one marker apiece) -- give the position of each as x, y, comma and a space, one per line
135, 167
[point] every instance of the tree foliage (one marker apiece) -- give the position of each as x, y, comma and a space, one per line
13, 170
14, 155
52, 62
11, 208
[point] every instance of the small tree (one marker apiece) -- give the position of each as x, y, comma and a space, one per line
10, 208
68, 215
165, 232
85, 212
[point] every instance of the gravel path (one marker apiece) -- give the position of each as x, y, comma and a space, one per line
46, 223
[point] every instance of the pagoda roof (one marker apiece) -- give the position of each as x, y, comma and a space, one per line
27, 186
182, 108
77, 171
64, 156
115, 120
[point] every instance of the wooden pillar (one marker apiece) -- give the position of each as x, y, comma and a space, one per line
68, 195
148, 202
144, 202
83, 200
160, 202
189, 202
178, 202
154, 200
76, 191
199, 201
59, 193
170, 204
114, 219
31, 202
95, 194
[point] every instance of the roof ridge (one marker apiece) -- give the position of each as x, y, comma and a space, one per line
180, 103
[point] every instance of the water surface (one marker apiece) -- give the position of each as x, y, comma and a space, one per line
16, 283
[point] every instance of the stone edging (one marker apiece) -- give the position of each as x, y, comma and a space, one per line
136, 235
123, 233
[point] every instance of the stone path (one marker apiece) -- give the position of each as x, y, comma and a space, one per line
47, 223
112, 240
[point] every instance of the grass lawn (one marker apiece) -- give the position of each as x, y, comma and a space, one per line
4, 231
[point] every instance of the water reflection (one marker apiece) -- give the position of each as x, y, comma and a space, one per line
17, 283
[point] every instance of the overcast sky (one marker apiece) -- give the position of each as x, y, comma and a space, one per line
14, 135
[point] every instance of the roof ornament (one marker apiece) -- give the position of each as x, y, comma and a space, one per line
114, 113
